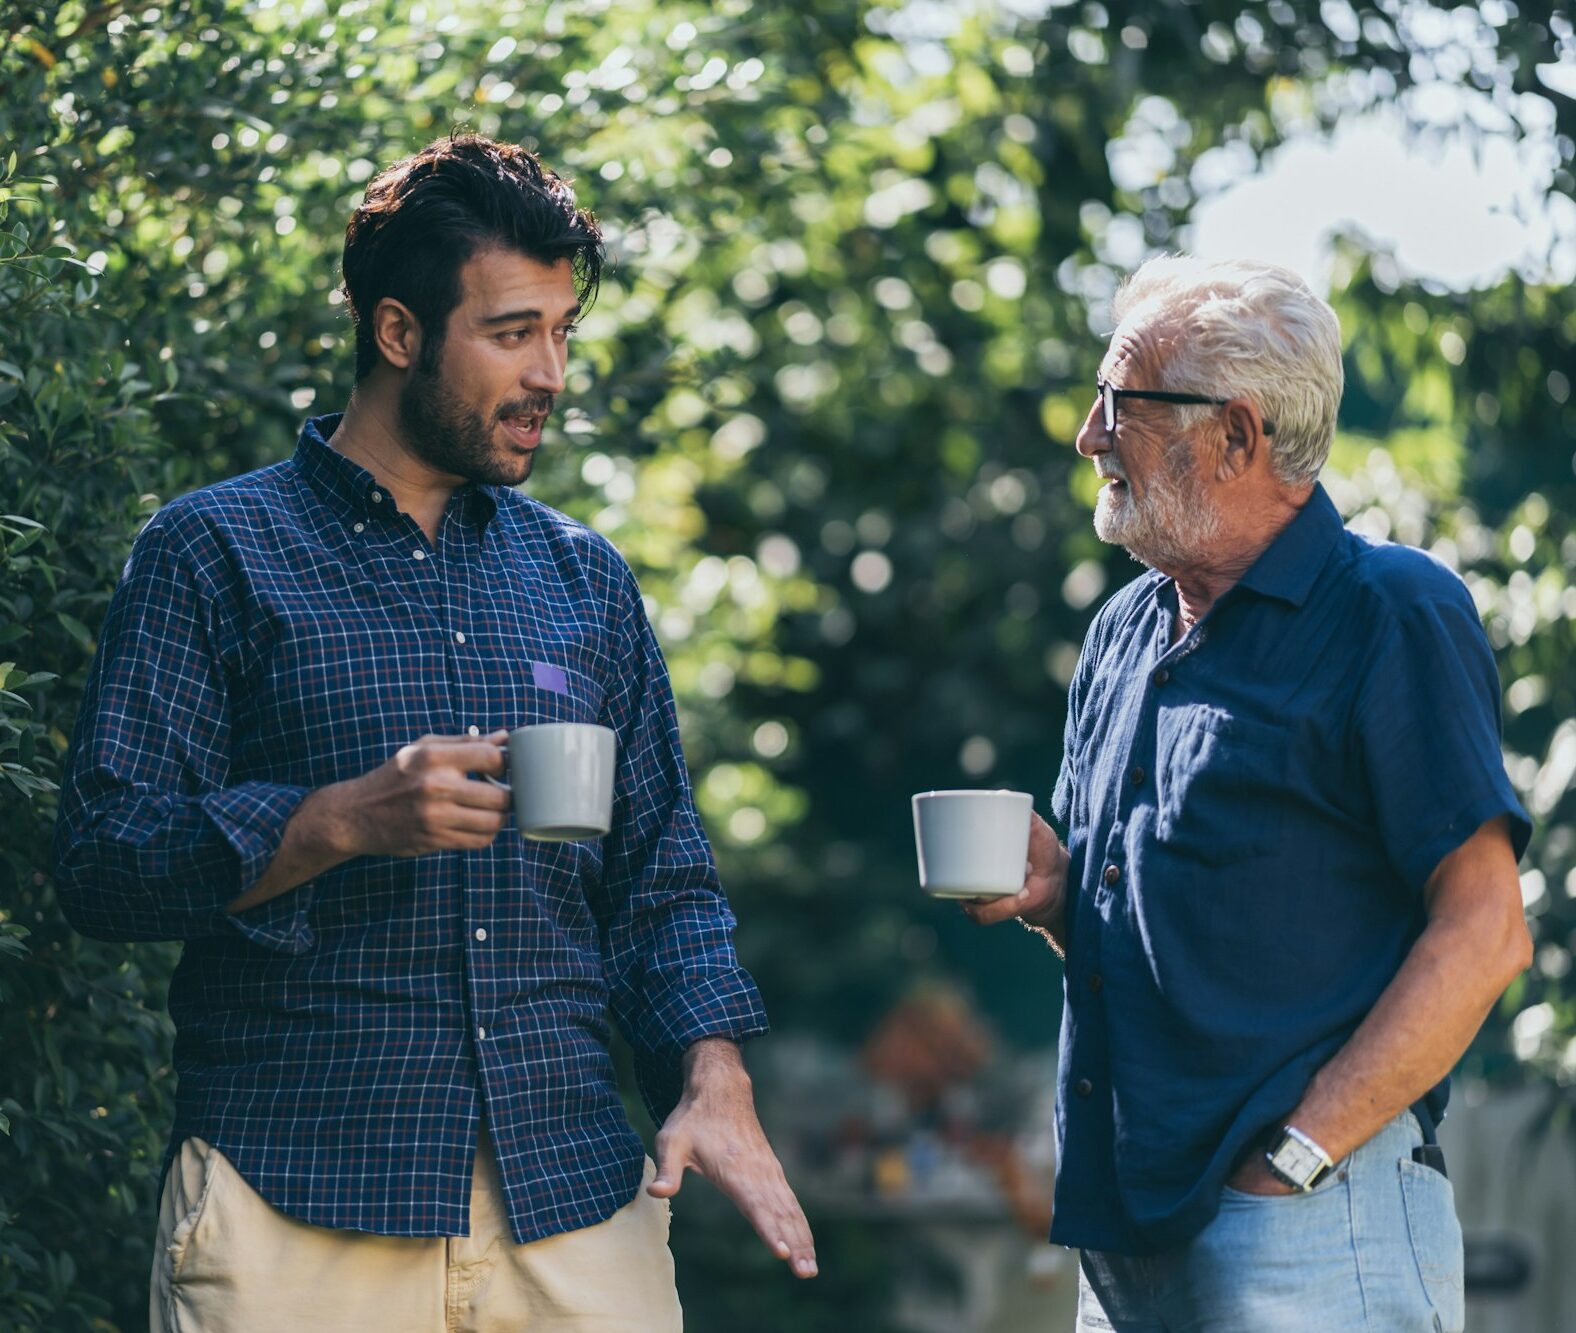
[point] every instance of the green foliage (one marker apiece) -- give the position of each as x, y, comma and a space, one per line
824, 403
84, 1046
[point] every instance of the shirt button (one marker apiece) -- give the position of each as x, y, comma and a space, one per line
1112, 874
360, 527
474, 731
418, 555
1096, 984
377, 497
481, 1034
1083, 1087
1161, 676
481, 933
459, 636
1138, 776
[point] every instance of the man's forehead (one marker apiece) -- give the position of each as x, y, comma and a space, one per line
496, 281
1125, 353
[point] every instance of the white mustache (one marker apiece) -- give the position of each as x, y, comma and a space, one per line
1109, 471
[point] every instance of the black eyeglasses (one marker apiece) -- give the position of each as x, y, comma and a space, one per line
1109, 395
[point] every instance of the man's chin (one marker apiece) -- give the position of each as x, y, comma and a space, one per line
509, 468
1113, 518
1117, 525
516, 473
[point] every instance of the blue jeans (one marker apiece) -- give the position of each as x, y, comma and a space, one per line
1375, 1247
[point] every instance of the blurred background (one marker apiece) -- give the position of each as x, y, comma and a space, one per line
862, 256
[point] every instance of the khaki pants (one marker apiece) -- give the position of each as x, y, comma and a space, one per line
228, 1262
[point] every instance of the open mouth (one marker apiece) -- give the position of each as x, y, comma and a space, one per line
525, 430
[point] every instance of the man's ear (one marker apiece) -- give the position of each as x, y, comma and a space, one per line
1243, 441
397, 333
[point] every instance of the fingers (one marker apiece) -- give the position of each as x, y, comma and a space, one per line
771, 1208
468, 819
988, 911
1041, 881
468, 754
481, 796
1043, 842
672, 1159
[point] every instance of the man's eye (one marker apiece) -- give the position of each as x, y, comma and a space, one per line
568, 330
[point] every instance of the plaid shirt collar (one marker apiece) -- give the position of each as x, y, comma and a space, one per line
353, 495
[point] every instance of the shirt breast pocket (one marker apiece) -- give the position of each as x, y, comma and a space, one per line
1221, 783
548, 692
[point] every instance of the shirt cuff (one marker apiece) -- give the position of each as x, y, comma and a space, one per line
252, 817
721, 1005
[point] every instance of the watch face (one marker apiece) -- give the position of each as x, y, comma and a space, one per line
1295, 1162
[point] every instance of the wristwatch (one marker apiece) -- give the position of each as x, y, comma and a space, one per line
1296, 1160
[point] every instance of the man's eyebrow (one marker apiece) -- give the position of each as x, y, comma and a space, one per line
522, 316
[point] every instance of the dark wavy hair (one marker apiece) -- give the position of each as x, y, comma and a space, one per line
423, 218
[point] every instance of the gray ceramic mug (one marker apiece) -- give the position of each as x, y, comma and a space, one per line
561, 780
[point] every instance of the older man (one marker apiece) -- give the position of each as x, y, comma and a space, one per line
1289, 893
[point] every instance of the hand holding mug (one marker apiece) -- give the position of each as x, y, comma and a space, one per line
422, 800
1041, 900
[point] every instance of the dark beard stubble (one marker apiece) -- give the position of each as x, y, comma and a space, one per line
451, 437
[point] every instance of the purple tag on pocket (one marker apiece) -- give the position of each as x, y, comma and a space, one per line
548, 677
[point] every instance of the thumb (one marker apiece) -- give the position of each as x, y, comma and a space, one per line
672, 1158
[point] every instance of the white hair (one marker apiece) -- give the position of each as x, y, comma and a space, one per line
1238, 329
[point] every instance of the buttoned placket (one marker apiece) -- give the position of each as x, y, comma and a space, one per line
458, 559
442, 572
1138, 782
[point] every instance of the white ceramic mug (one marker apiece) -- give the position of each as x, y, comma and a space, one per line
561, 780
972, 844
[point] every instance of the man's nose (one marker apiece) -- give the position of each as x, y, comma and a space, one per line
1092, 438
544, 371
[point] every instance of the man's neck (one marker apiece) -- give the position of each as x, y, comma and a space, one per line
369, 435
1203, 582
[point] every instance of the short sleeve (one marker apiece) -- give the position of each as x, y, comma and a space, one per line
1428, 731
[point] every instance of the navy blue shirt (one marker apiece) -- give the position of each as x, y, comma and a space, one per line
1252, 814
292, 628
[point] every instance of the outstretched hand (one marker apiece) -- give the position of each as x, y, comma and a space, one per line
714, 1131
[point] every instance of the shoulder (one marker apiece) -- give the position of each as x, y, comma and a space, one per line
1400, 585
237, 503
1111, 632
565, 540
1418, 618
199, 527
1122, 612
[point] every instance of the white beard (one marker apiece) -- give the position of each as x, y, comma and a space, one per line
1169, 525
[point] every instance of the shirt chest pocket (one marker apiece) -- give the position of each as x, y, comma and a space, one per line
1221, 785
543, 691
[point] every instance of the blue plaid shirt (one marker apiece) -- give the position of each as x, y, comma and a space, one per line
291, 628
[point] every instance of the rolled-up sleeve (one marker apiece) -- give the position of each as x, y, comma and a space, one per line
667, 929
152, 842
1428, 723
